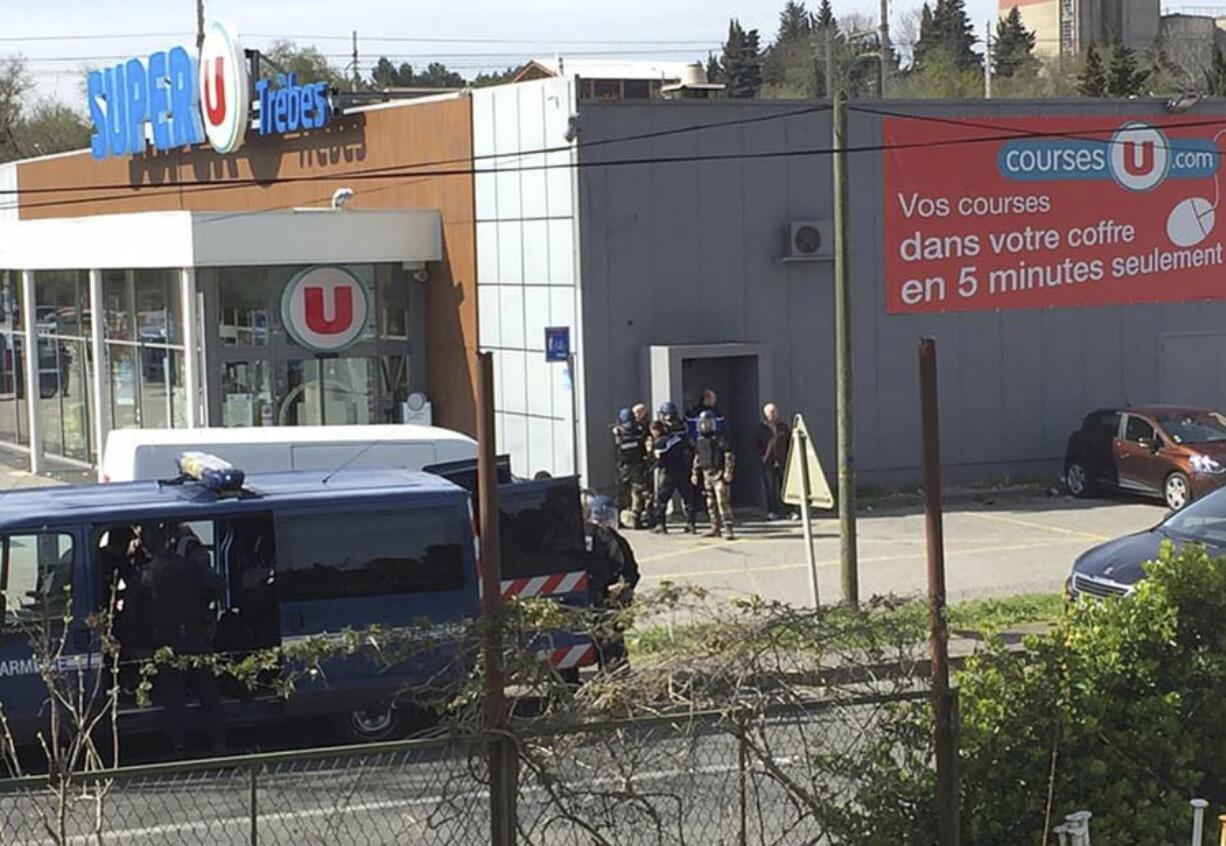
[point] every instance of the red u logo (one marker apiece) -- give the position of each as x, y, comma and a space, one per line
314, 312
215, 97
1138, 158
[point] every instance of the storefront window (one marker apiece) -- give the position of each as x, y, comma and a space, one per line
60, 307
13, 422
265, 377
145, 356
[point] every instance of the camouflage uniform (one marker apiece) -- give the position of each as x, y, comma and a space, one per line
633, 470
714, 462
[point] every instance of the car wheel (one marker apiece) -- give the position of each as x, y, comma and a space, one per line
1177, 491
1077, 480
370, 725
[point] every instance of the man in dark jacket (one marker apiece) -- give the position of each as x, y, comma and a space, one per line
671, 449
633, 466
176, 591
773, 438
614, 572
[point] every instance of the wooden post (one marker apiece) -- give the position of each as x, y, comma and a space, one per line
503, 766
946, 754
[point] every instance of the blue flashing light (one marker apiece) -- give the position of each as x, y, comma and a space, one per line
214, 473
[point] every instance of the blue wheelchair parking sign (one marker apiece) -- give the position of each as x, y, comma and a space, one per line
557, 343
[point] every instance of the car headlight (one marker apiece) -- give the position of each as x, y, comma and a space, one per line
1205, 464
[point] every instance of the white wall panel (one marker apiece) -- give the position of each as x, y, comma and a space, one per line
515, 443
536, 252
510, 253
8, 185
540, 374
562, 252
487, 253
511, 311
540, 445
514, 381
488, 316
536, 317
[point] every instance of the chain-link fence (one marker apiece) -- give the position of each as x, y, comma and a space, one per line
734, 777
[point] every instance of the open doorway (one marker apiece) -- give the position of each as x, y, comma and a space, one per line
740, 374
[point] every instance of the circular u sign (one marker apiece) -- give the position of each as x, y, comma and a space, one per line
225, 96
325, 308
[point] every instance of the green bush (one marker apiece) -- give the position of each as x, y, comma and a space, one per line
1120, 710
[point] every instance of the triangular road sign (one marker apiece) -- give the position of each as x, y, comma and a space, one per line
793, 473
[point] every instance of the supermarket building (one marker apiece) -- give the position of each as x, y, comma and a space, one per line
685, 244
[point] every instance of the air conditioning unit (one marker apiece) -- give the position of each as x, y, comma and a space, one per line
809, 240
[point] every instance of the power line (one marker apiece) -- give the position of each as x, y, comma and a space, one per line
413, 171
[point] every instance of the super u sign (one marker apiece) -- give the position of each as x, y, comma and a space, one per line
325, 308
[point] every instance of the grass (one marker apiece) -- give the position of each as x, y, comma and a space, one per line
985, 616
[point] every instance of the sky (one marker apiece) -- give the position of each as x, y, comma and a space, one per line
485, 34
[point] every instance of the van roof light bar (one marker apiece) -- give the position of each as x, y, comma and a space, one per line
214, 473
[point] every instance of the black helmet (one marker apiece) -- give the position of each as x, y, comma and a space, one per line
706, 422
668, 408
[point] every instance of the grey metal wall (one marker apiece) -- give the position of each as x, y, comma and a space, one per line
687, 253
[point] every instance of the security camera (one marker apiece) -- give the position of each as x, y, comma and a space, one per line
572, 128
341, 197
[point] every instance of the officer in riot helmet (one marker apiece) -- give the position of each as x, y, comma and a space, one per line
633, 466
670, 446
613, 571
714, 463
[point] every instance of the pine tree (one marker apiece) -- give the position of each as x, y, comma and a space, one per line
795, 23
824, 20
742, 62
714, 71
1013, 47
792, 49
1124, 77
1093, 79
955, 33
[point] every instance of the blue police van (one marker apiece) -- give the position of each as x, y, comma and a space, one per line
300, 555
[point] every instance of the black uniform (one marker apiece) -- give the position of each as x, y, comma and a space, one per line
176, 592
612, 564
673, 457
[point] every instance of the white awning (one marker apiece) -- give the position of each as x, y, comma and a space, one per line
222, 239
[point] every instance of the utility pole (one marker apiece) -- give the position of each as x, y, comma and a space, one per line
357, 77
946, 754
885, 48
199, 24
842, 359
987, 63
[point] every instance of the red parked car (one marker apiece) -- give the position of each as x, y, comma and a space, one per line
1177, 454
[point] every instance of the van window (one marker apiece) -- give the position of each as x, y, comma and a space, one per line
372, 553
35, 576
541, 530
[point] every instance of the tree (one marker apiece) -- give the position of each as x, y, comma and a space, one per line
742, 62
824, 20
1013, 47
53, 127
1216, 76
946, 27
941, 78
307, 62
14, 84
436, 75
483, 79
714, 71
385, 74
1092, 82
789, 67
1124, 77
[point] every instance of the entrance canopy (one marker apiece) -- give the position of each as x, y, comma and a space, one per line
192, 239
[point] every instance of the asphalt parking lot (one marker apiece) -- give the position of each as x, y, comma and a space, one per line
1011, 546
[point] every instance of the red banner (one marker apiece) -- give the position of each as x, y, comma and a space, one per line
997, 213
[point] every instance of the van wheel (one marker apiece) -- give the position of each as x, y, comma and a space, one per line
372, 724
1077, 480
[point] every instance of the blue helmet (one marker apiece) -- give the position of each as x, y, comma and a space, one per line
625, 417
668, 408
706, 421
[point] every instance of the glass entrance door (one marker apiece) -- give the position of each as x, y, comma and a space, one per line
329, 392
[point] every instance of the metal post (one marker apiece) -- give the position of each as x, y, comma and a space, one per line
946, 788
987, 64
502, 760
357, 74
842, 360
255, 808
1078, 824
101, 375
802, 444
1222, 823
883, 79
199, 24
29, 321
742, 779
191, 364
1198, 821
574, 411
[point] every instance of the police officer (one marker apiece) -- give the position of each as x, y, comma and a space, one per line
615, 572
713, 465
671, 448
176, 591
633, 466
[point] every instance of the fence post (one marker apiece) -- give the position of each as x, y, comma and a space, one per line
742, 778
255, 807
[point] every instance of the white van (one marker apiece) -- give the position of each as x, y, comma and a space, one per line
144, 454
